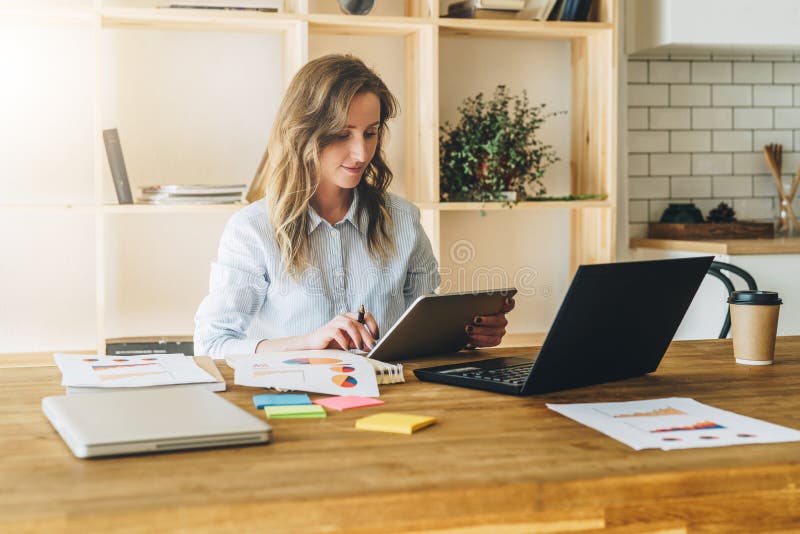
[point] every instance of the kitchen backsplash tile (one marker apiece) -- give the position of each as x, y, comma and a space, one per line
752, 72
690, 186
670, 164
669, 72
690, 95
711, 72
772, 95
787, 72
670, 119
732, 95
697, 126
719, 118
690, 141
752, 118
733, 141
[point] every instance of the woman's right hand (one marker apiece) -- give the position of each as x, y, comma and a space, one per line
344, 332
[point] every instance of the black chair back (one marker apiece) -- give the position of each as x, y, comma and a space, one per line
716, 271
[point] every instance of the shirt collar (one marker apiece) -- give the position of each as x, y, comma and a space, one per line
360, 223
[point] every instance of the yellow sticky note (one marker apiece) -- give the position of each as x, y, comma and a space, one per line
400, 423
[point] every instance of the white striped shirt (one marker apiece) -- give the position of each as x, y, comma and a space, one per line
251, 298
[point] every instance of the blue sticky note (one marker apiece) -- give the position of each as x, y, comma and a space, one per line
287, 399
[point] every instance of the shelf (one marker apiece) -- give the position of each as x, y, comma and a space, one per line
120, 208
204, 19
195, 19
586, 70
522, 28
780, 245
53, 13
48, 208
165, 209
533, 205
353, 25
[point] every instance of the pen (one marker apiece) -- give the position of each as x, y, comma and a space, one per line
361, 313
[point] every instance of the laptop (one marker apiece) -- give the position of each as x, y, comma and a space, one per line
153, 420
615, 322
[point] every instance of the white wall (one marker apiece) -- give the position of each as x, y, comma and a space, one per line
46, 105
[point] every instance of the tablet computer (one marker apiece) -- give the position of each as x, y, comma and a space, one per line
435, 324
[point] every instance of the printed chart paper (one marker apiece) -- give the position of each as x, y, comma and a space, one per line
334, 372
673, 423
79, 370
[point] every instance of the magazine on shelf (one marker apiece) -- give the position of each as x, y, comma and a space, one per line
191, 194
273, 6
117, 165
190, 200
537, 10
193, 189
480, 8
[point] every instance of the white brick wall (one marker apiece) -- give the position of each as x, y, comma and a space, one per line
697, 127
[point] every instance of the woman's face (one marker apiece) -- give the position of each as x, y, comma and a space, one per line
342, 163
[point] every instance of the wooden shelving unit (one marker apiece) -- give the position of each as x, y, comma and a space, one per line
778, 245
592, 116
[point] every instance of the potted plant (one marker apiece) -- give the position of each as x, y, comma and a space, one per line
493, 152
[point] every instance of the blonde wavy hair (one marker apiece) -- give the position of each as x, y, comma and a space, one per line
312, 114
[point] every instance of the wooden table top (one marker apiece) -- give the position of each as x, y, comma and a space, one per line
492, 463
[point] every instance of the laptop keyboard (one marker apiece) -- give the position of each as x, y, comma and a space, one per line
514, 375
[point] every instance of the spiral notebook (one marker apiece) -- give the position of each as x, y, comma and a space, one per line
334, 372
387, 373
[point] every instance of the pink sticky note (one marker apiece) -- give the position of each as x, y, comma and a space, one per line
347, 402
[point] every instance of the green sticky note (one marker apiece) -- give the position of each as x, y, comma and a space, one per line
305, 411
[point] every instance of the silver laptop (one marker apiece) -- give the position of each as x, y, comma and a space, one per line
165, 419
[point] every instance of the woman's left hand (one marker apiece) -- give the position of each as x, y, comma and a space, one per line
488, 330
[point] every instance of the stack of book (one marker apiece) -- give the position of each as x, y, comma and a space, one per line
563, 10
191, 194
481, 9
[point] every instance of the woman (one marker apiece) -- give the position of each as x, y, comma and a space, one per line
326, 236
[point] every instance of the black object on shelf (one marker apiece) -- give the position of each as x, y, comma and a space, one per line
150, 345
576, 10
682, 213
356, 7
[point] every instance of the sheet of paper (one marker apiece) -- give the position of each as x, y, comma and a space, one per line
334, 372
673, 423
80, 370
347, 402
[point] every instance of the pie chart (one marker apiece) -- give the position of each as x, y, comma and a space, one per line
343, 368
345, 381
312, 361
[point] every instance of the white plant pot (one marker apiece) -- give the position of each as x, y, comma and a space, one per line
507, 196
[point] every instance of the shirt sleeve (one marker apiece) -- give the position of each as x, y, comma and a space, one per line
237, 291
422, 276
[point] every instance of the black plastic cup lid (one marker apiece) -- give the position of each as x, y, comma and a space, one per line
755, 297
